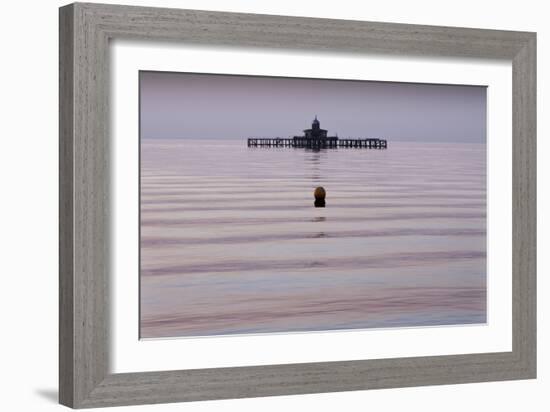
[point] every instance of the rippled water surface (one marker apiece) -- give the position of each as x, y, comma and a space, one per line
231, 242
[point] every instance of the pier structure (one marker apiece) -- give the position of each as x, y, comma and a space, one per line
317, 138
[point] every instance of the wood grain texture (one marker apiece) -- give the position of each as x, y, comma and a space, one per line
524, 206
85, 31
66, 228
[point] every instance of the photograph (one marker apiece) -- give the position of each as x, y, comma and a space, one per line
284, 205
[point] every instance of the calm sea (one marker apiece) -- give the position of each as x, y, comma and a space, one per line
231, 242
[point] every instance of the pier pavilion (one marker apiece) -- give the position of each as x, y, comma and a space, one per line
315, 138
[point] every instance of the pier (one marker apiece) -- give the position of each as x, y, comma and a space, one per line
339, 143
316, 138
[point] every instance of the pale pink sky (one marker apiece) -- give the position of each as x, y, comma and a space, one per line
187, 105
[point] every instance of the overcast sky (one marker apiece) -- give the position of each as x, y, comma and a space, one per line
198, 106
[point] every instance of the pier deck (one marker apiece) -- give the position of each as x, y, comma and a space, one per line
319, 144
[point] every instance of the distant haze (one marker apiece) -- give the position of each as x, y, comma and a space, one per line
203, 106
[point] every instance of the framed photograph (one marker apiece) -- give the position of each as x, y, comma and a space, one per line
256, 205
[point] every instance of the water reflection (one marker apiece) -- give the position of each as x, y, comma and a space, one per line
319, 219
319, 203
230, 242
315, 159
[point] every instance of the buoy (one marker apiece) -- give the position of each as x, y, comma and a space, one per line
319, 195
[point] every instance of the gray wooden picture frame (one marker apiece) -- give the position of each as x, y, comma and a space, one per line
85, 32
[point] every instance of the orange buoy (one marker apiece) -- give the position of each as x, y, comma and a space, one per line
319, 194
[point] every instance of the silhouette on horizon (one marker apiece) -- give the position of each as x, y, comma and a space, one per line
317, 138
